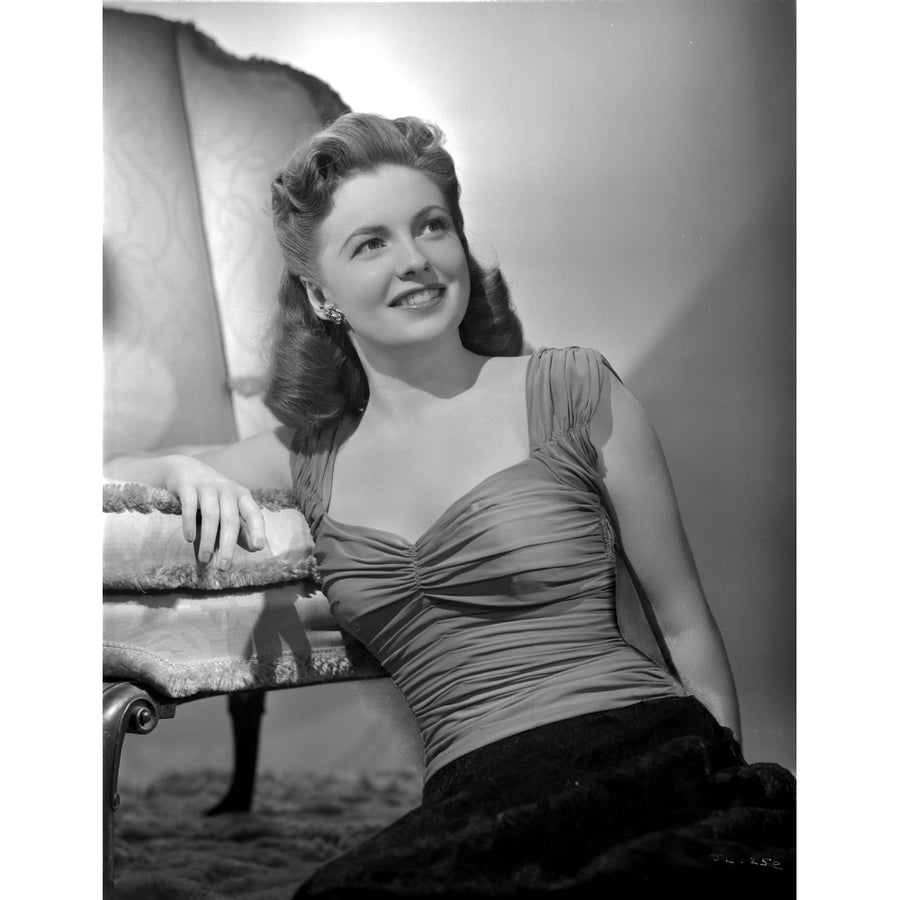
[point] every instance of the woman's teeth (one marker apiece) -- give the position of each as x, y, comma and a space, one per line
421, 298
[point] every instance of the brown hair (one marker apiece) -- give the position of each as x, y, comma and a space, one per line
314, 372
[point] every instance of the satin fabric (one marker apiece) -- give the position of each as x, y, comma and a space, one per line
501, 616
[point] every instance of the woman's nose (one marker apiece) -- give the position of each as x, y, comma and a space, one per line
411, 260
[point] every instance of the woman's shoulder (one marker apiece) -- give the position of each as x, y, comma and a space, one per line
572, 357
582, 370
566, 386
308, 467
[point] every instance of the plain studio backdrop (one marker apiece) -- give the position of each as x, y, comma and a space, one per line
631, 167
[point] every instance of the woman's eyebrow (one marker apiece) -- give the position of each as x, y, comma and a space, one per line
429, 208
365, 229
380, 229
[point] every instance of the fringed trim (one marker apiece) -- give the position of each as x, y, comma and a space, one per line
131, 497
221, 676
188, 576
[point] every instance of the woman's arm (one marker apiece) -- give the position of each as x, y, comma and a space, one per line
641, 500
217, 485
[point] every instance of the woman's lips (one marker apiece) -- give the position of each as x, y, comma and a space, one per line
419, 299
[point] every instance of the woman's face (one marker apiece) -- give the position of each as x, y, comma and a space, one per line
391, 261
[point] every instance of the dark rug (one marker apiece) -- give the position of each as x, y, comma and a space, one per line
167, 849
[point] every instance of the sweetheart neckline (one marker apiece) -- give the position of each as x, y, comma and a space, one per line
329, 470
426, 534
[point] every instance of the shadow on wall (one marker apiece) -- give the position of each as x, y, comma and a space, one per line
720, 389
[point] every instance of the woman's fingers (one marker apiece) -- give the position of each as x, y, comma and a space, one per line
229, 524
252, 524
188, 497
224, 515
209, 524
227, 512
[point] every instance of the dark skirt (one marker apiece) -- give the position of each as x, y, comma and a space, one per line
652, 800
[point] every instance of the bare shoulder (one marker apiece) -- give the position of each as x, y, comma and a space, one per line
260, 461
506, 374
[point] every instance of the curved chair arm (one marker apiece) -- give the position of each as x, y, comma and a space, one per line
127, 709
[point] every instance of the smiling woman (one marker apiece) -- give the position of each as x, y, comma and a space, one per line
413, 261
334, 250
469, 505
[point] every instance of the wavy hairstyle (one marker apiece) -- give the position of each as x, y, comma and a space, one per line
315, 375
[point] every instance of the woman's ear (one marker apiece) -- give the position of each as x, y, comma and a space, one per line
316, 297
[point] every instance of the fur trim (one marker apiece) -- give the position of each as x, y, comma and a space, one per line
187, 576
219, 676
131, 497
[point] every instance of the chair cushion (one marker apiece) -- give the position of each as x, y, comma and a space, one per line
144, 548
185, 644
186, 630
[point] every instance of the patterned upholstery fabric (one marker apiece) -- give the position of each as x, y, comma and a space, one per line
165, 374
185, 644
237, 144
192, 136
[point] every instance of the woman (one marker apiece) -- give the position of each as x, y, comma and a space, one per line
467, 505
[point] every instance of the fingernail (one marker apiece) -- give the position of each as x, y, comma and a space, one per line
224, 564
189, 537
205, 556
259, 543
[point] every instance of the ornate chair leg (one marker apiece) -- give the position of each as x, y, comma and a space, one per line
246, 713
126, 709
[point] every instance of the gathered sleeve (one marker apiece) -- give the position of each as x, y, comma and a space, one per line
306, 478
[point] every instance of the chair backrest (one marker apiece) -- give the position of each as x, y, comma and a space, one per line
192, 137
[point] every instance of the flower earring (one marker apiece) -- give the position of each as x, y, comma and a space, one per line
332, 313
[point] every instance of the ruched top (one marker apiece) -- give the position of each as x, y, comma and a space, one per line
501, 616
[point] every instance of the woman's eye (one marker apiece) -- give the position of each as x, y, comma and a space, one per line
437, 225
368, 246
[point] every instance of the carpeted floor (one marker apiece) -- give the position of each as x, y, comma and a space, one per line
166, 849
